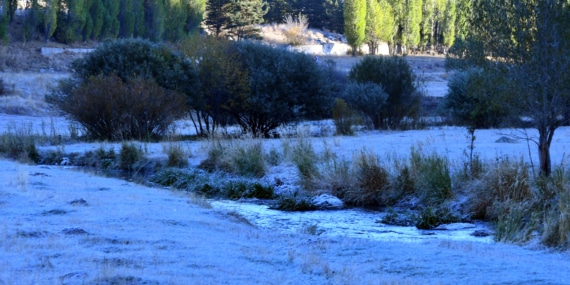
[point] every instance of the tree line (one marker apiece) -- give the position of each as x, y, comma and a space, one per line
405, 24
70, 21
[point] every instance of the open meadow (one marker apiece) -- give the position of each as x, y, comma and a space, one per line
62, 224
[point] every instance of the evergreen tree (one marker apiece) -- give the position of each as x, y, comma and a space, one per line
428, 23
355, 23
72, 17
244, 15
217, 15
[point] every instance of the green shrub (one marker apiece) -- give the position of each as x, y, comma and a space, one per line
472, 99
370, 99
344, 118
110, 109
137, 58
212, 185
283, 87
397, 79
429, 217
294, 203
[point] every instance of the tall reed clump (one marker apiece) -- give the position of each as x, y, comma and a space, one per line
19, 144
303, 155
177, 155
372, 182
556, 225
295, 28
431, 175
241, 157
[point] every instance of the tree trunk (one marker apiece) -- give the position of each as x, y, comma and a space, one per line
544, 157
546, 133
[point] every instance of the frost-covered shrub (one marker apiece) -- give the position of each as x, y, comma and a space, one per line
110, 109
397, 79
472, 99
368, 98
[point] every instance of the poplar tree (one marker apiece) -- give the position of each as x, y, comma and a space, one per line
127, 18
379, 23
195, 14
4, 21
449, 23
50, 18
111, 26
97, 19
355, 23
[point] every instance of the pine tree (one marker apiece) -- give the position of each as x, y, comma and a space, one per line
355, 23
244, 15
32, 19
217, 16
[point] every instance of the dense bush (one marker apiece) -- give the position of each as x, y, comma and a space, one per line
136, 58
111, 109
256, 86
127, 89
370, 99
397, 79
473, 99
283, 87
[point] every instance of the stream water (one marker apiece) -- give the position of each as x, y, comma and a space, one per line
356, 222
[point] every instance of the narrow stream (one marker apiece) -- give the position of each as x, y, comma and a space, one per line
348, 222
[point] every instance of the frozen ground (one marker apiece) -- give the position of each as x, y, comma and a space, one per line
63, 226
